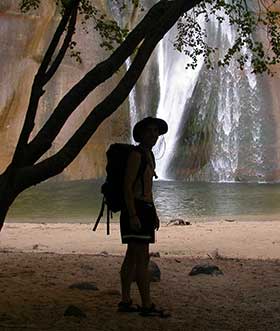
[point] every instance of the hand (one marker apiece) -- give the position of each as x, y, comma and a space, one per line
157, 223
135, 223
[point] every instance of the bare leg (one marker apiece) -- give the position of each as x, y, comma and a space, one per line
128, 272
142, 273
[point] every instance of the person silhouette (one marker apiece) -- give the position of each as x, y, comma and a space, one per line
138, 219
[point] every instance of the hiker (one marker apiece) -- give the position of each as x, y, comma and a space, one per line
139, 218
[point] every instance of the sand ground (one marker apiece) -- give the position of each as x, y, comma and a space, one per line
40, 261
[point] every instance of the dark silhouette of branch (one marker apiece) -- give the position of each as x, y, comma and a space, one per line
103, 71
70, 31
42, 78
70, 11
58, 162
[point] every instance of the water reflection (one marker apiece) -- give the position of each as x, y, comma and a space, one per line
79, 201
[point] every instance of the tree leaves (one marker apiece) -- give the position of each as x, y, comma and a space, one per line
27, 5
257, 39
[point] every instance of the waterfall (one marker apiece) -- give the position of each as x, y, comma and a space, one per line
176, 87
227, 104
224, 158
238, 123
132, 105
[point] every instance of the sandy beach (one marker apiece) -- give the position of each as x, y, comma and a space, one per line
40, 262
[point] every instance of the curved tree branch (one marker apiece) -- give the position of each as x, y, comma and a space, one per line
103, 71
58, 162
69, 10
42, 78
57, 61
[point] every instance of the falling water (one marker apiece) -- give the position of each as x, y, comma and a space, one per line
224, 159
238, 111
132, 105
230, 103
226, 106
176, 87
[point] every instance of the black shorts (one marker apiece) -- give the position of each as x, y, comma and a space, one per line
147, 215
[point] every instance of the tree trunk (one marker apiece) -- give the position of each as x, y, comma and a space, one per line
8, 193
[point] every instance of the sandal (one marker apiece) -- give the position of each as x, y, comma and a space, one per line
128, 307
154, 311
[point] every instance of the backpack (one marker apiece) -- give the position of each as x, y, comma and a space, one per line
112, 189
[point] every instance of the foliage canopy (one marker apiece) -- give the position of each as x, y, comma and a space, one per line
256, 24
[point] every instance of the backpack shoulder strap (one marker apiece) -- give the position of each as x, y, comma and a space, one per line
154, 164
100, 215
153, 158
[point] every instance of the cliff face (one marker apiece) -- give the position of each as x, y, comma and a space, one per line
24, 38
273, 84
252, 150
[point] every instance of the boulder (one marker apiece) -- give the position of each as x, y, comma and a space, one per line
206, 269
74, 311
154, 272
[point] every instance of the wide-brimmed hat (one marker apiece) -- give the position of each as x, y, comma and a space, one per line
141, 125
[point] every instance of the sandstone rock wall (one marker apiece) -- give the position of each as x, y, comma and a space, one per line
24, 38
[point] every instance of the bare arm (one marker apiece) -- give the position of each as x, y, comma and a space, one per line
133, 165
